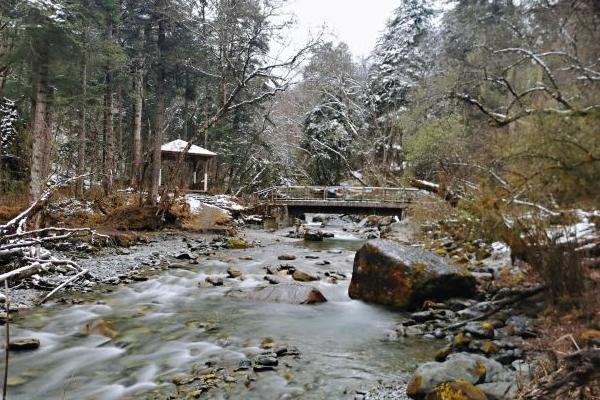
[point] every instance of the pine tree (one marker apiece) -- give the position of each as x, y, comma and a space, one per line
398, 60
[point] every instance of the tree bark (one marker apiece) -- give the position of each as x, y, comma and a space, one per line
159, 113
109, 139
40, 128
81, 145
136, 149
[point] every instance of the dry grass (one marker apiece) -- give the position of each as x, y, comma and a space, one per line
11, 206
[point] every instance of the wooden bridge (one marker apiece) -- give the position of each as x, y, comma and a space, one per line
299, 200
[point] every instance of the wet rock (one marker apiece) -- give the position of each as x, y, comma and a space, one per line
288, 268
286, 351
328, 235
324, 262
214, 280
265, 362
286, 257
405, 276
313, 236
271, 270
274, 279
311, 257
234, 272
24, 344
302, 276
185, 256
99, 327
456, 390
289, 292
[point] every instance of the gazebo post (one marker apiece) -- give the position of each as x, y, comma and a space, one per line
205, 176
195, 167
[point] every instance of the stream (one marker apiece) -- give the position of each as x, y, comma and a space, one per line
169, 325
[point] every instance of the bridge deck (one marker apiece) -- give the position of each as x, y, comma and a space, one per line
343, 196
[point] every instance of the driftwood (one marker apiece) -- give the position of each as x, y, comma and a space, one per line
62, 285
579, 378
22, 248
435, 188
22, 273
497, 305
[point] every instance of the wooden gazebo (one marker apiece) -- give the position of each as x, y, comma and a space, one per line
197, 158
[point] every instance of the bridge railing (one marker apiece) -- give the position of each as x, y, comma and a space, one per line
344, 193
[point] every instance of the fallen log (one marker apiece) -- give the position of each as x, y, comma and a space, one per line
435, 188
62, 285
577, 378
23, 272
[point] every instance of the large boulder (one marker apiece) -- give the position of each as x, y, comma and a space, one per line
465, 367
405, 276
292, 293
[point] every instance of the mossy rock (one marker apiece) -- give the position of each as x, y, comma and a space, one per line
489, 348
441, 252
457, 390
237, 244
443, 353
405, 276
461, 340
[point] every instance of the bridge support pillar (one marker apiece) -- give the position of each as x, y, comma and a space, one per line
277, 217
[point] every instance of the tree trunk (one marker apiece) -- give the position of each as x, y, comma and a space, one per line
159, 113
40, 129
136, 150
109, 139
81, 145
120, 157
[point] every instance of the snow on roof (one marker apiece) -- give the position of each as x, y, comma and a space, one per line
177, 146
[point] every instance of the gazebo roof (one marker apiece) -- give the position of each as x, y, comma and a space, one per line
177, 146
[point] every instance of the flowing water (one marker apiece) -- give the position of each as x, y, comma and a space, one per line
168, 324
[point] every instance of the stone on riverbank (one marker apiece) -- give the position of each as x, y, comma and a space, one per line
292, 293
405, 276
471, 368
313, 236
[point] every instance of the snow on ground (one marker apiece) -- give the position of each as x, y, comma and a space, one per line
582, 231
196, 202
